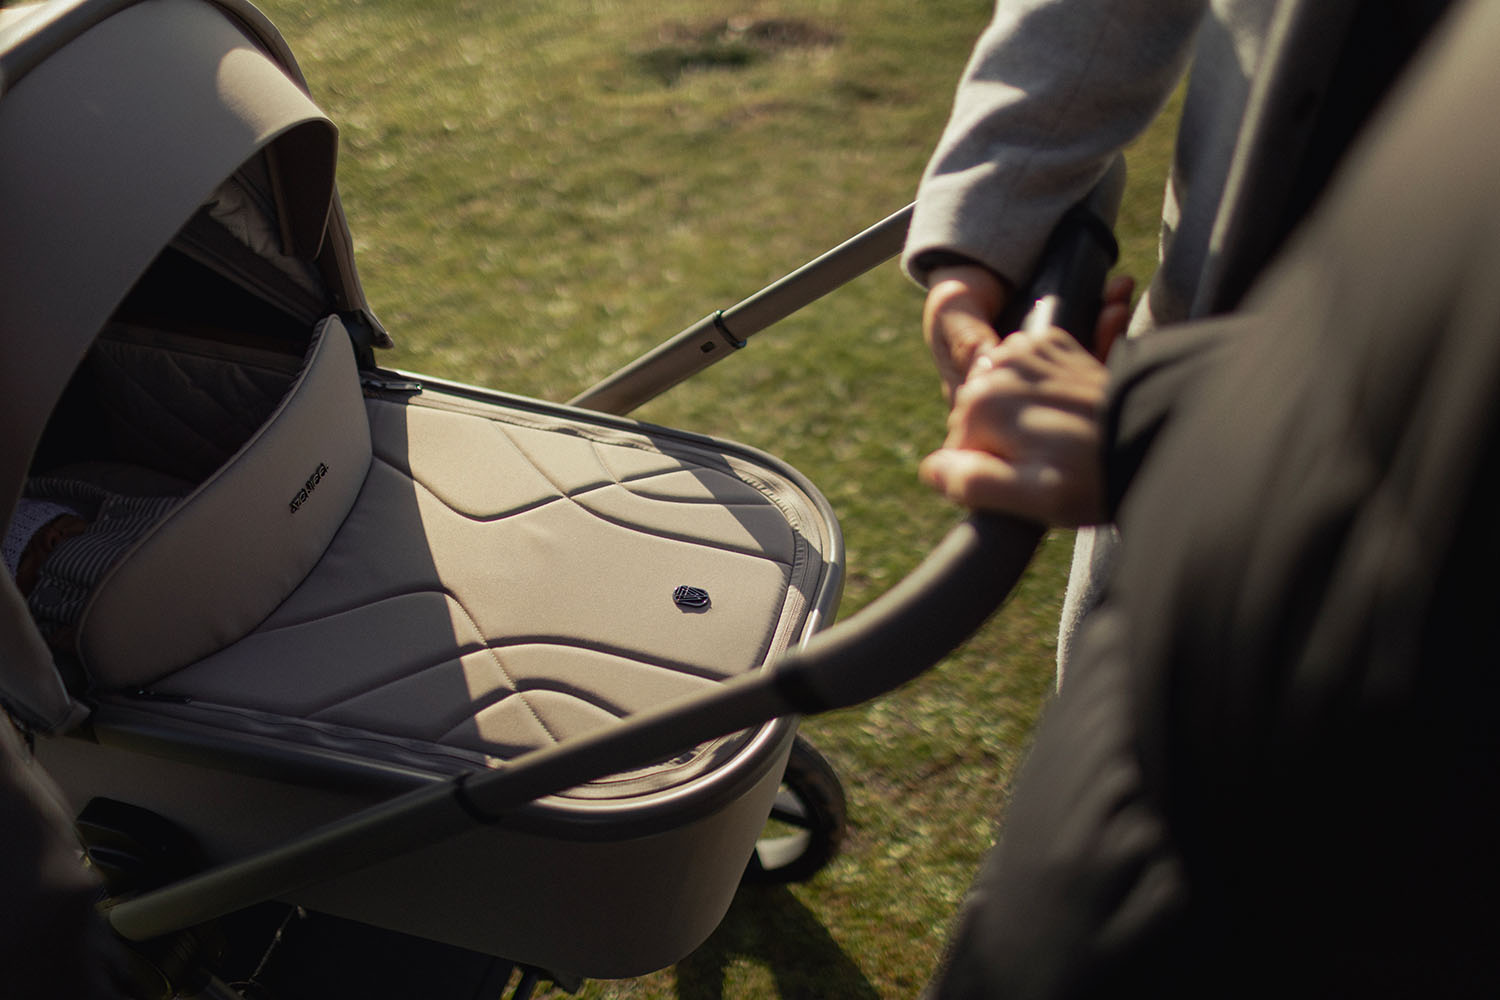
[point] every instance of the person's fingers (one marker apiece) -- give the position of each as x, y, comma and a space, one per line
1114, 313
982, 481
1037, 355
1119, 288
958, 337
957, 319
1038, 492
974, 479
1008, 414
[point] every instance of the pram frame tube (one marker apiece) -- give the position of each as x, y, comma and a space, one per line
720, 334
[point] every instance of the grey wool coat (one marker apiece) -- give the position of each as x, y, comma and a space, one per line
1055, 88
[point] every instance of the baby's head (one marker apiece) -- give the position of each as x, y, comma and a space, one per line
36, 528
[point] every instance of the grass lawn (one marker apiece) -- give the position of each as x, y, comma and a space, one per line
541, 190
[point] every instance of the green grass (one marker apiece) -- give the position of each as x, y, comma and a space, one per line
539, 191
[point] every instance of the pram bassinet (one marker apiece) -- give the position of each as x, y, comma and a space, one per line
376, 582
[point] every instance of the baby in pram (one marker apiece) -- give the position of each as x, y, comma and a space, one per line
69, 529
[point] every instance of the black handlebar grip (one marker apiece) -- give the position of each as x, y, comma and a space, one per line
1066, 288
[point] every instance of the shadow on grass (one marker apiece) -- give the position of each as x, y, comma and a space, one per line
768, 926
728, 45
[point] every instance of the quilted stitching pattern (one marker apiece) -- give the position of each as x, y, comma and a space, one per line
176, 412
504, 582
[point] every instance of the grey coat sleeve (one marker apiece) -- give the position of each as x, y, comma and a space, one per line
1052, 91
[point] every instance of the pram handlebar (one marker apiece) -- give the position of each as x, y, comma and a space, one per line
893, 640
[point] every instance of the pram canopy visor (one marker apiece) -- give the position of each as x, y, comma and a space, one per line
126, 131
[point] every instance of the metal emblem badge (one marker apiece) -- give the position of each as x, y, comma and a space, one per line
690, 597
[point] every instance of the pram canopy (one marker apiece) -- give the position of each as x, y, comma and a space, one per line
101, 171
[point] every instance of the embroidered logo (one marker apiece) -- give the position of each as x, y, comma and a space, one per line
307, 487
690, 597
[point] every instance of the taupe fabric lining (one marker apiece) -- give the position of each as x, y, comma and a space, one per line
505, 581
242, 540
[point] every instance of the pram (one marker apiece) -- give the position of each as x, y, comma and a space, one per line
379, 590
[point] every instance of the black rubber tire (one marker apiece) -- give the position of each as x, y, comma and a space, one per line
807, 822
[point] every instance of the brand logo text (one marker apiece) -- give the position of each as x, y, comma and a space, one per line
307, 487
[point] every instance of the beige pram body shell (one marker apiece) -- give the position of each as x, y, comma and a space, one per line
373, 581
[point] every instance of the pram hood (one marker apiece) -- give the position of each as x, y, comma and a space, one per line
118, 122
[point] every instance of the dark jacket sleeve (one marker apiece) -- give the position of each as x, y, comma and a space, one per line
1150, 378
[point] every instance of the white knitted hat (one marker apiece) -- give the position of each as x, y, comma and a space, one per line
30, 517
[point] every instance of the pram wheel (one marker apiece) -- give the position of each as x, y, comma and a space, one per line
807, 822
